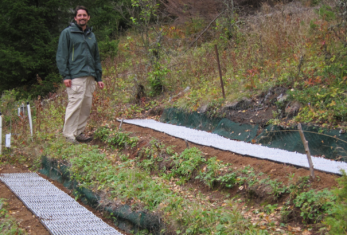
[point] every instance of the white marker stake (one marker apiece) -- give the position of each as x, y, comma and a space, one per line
8, 141
0, 134
30, 120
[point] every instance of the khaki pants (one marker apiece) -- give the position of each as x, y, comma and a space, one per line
80, 96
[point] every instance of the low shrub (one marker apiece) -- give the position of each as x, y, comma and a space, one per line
337, 221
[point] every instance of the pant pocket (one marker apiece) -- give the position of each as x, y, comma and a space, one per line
90, 89
76, 90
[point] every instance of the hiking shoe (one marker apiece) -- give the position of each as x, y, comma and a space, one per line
71, 140
83, 138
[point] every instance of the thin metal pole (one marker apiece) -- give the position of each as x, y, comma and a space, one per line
0, 134
220, 71
30, 120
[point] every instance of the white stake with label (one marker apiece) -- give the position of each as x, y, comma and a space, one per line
8, 141
30, 120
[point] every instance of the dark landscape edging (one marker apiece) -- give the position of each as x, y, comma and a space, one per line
124, 217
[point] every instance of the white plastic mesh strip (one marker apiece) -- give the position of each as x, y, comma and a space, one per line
253, 150
60, 213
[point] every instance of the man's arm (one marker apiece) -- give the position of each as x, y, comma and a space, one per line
98, 69
62, 57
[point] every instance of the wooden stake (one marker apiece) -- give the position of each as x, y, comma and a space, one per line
187, 144
220, 71
307, 150
120, 126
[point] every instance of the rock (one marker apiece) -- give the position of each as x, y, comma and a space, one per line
156, 111
172, 98
244, 103
274, 94
187, 89
282, 98
203, 108
292, 109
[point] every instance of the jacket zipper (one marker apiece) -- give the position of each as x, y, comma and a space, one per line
84, 37
73, 51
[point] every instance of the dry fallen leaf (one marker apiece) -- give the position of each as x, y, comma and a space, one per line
306, 232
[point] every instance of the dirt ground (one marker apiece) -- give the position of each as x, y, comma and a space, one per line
27, 220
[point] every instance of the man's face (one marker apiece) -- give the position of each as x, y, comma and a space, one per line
82, 18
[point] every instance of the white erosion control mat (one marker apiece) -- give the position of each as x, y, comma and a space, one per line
248, 149
58, 212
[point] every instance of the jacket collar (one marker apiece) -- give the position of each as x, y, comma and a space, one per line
76, 29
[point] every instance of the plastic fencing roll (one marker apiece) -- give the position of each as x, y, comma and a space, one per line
30, 119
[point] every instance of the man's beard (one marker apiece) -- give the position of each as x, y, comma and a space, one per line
81, 24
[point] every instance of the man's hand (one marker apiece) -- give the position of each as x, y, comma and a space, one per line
67, 82
101, 85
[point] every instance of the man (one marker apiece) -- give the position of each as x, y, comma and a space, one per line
78, 62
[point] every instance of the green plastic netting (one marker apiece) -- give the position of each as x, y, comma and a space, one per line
330, 143
221, 126
124, 217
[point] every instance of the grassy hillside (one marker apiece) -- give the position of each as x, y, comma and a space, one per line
299, 46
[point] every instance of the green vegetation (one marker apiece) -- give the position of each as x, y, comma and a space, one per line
150, 186
314, 205
337, 220
124, 181
116, 138
8, 226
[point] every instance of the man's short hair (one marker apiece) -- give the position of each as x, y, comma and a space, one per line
81, 8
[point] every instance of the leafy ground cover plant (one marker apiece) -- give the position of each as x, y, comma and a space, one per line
209, 173
187, 162
337, 220
116, 138
124, 181
311, 206
8, 225
314, 205
149, 157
